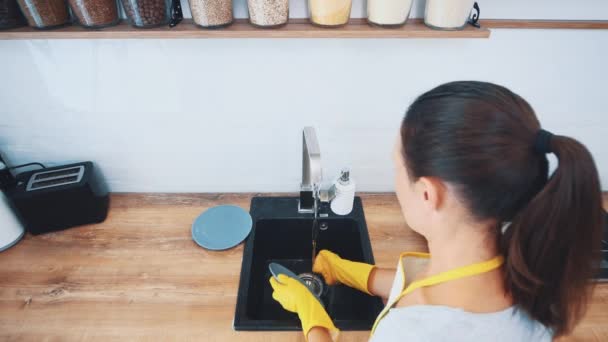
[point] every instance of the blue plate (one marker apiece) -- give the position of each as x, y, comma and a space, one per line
221, 227
277, 269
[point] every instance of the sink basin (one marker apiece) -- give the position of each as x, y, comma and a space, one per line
280, 234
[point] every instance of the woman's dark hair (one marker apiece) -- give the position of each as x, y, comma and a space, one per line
479, 137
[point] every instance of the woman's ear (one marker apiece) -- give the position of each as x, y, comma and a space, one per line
432, 191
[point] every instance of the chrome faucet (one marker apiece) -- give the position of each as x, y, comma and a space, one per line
311, 172
312, 196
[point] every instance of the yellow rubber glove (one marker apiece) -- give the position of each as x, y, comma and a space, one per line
295, 297
335, 269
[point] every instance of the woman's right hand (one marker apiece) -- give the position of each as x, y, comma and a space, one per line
324, 265
337, 270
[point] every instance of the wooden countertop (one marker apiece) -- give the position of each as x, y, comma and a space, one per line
139, 276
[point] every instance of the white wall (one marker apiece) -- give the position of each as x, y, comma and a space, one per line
225, 115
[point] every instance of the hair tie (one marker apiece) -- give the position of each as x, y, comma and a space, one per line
542, 142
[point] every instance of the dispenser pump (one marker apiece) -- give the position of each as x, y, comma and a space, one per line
345, 176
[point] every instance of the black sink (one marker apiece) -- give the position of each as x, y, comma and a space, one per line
281, 234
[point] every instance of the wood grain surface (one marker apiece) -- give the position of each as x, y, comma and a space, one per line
545, 24
139, 276
296, 28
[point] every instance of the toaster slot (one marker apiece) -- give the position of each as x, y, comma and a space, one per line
48, 179
60, 173
51, 182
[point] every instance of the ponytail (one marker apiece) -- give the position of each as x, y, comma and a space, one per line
486, 141
551, 247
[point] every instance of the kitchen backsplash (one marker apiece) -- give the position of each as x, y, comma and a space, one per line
226, 115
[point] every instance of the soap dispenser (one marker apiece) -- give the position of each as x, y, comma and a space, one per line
344, 186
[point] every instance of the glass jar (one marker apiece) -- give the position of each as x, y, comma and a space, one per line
329, 12
447, 14
95, 13
10, 15
147, 13
211, 13
390, 13
268, 13
45, 14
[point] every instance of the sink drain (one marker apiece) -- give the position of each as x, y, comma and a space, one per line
314, 283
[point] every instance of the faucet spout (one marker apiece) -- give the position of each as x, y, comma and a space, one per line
311, 170
311, 158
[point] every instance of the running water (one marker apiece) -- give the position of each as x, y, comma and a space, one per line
315, 229
315, 233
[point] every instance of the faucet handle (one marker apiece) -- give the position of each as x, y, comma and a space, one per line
326, 195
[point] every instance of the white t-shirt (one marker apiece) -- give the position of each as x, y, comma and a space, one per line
434, 323
426, 323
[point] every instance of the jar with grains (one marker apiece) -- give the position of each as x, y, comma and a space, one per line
10, 15
268, 13
389, 13
147, 13
45, 14
329, 12
95, 13
211, 13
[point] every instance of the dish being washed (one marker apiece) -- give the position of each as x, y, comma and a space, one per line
312, 282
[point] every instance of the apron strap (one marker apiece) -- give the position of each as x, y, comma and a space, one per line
457, 273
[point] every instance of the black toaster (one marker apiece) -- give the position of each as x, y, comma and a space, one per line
59, 197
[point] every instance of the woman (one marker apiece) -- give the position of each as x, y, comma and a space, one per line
511, 249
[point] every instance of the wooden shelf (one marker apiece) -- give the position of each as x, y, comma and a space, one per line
297, 28
545, 24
